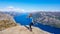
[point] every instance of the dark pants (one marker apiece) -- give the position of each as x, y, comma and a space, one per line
30, 25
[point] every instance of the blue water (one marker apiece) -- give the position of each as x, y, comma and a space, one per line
22, 19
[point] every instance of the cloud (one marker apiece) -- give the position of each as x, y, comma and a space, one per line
11, 8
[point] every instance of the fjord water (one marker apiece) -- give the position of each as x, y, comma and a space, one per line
22, 19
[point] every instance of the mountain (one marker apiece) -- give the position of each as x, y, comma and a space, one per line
47, 18
12, 13
6, 21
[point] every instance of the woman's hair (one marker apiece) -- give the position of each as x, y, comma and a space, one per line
30, 15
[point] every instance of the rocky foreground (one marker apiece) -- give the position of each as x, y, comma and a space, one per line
9, 26
23, 30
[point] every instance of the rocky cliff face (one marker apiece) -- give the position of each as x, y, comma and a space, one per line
6, 21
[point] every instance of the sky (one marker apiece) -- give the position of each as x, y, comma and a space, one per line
29, 5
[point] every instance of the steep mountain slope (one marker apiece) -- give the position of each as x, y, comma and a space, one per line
47, 18
6, 21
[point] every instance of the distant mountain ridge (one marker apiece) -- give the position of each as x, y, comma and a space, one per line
12, 13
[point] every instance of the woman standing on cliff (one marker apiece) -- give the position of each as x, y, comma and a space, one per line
31, 22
